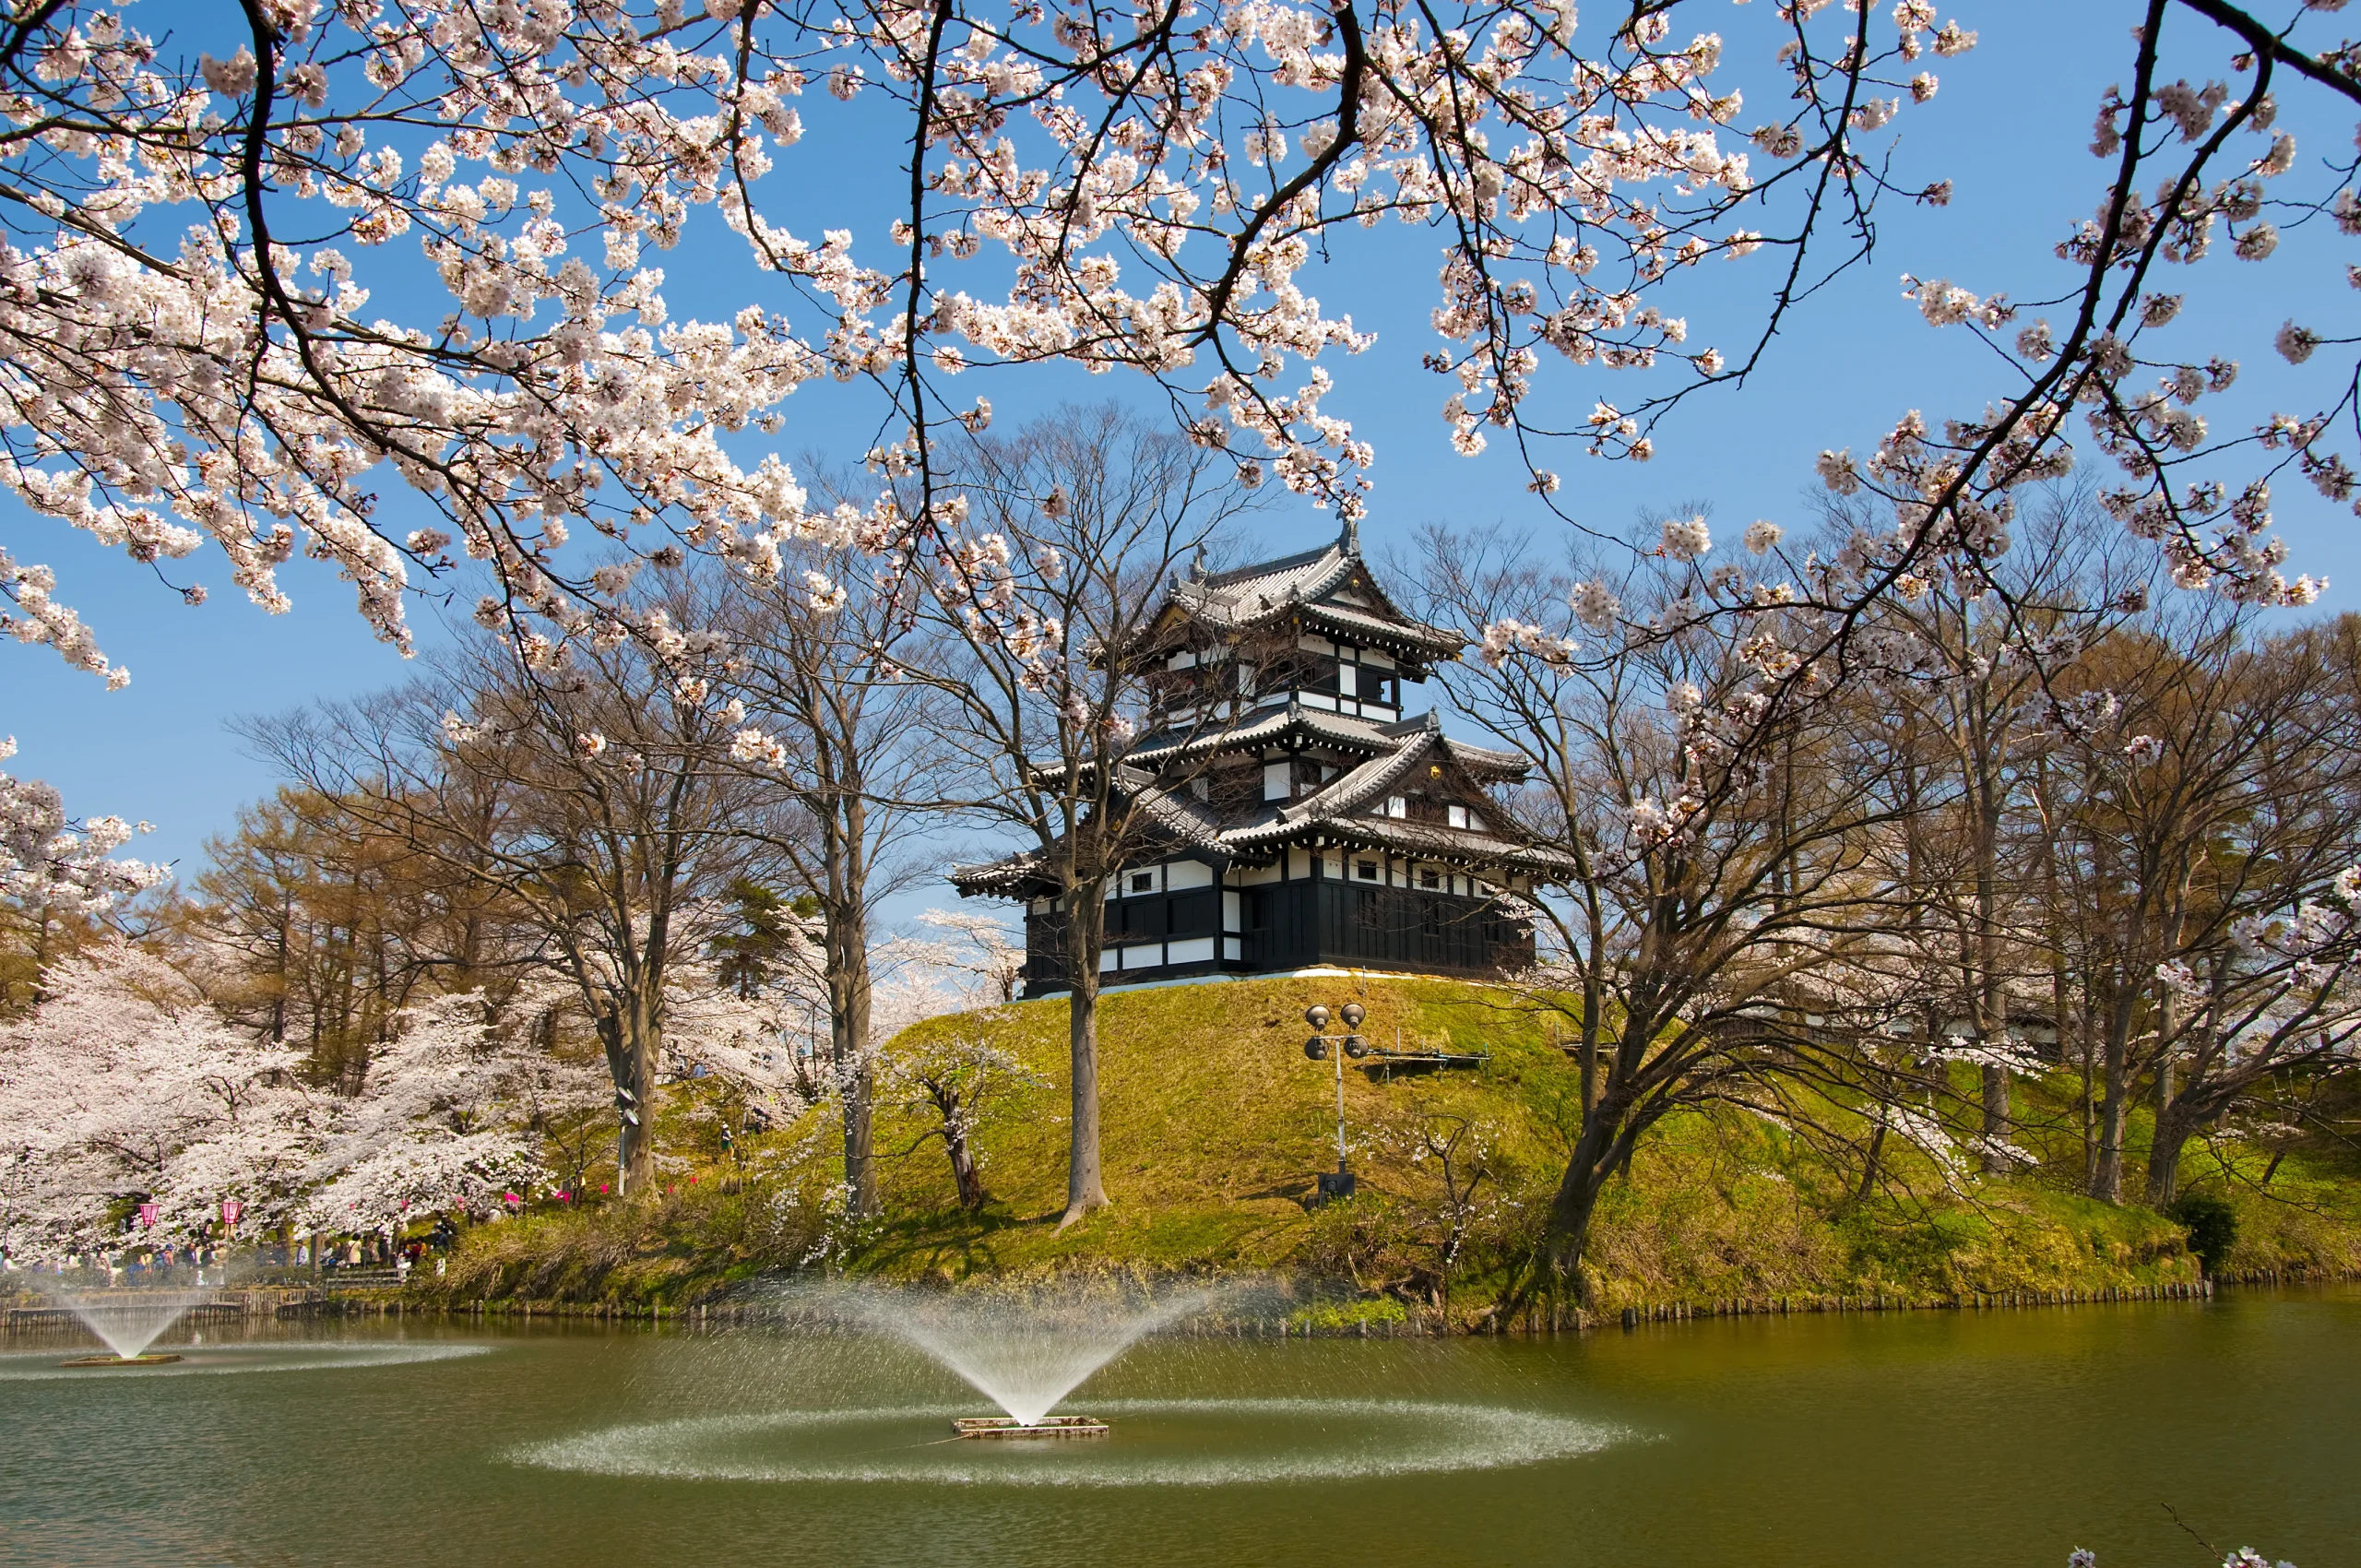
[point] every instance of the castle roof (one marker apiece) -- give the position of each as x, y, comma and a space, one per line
1296, 722
1347, 809
1330, 591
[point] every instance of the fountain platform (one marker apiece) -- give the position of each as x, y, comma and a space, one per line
1048, 1426
147, 1358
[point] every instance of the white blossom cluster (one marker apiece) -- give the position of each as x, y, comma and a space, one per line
2122, 361
206, 353
451, 1117
126, 1082
50, 861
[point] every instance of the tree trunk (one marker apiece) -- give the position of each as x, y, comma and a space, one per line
1996, 1120
1874, 1158
1085, 936
964, 1171
1992, 995
1577, 1199
2163, 1157
2089, 1068
629, 1033
2170, 1136
855, 1073
2114, 1094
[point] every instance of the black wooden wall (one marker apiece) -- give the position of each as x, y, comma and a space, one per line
1292, 925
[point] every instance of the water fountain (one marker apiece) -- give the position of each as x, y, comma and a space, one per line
1024, 1349
129, 1321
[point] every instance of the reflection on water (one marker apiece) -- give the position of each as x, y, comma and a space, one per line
1156, 1443
1973, 1440
237, 1355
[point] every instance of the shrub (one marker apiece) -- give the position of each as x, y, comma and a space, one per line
2212, 1227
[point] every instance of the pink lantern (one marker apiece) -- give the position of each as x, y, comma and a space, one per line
231, 1210
148, 1214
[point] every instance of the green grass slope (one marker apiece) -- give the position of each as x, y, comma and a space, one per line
1216, 1125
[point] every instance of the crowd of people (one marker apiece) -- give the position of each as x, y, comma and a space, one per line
134, 1265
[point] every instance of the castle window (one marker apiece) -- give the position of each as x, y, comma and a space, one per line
1430, 879
1396, 805
1143, 882
1365, 870
1457, 816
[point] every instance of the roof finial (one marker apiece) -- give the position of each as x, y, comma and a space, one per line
1349, 541
1197, 565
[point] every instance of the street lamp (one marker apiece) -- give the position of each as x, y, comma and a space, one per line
1324, 1047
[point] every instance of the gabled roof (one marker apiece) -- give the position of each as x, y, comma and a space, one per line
1310, 586
1356, 788
1007, 878
1338, 810
1294, 722
1291, 720
1436, 841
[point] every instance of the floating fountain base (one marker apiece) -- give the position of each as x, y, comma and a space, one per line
1048, 1426
152, 1359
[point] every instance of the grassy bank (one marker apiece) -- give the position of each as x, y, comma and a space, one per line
1215, 1124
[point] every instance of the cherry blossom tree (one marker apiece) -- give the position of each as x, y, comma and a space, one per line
125, 1083
1715, 817
198, 358
54, 861
981, 956
956, 1076
221, 335
57, 872
747, 1033
1043, 644
455, 1110
960, 1080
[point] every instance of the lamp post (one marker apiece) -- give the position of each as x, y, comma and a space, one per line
1324, 1047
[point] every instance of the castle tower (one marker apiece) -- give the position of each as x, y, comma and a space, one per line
1302, 817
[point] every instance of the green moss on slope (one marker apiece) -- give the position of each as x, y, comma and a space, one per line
1216, 1125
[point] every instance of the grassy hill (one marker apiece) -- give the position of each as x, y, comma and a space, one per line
1215, 1125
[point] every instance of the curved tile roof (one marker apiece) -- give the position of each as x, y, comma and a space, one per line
1248, 596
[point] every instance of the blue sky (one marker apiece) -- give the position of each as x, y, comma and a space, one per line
2009, 127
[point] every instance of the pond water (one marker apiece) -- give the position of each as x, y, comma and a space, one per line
1920, 1439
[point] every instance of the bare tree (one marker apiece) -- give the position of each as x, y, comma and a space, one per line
1045, 638
1959, 668
2214, 802
592, 794
834, 726
1715, 816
